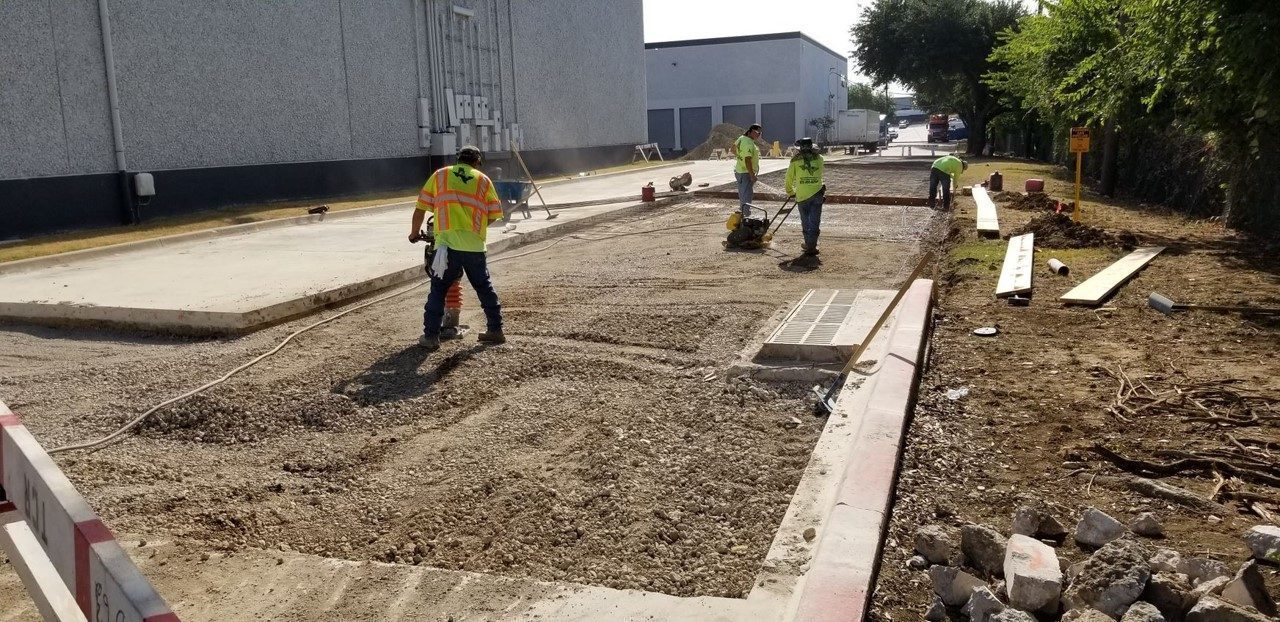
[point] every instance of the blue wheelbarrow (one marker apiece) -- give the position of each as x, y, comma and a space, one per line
514, 195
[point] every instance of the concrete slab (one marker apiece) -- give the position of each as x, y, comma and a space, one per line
246, 277
826, 325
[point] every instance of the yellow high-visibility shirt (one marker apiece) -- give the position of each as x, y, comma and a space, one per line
950, 165
804, 179
464, 202
747, 148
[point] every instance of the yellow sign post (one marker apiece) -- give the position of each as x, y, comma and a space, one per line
1079, 145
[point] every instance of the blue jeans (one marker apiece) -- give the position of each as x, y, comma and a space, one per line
810, 217
936, 178
745, 191
477, 271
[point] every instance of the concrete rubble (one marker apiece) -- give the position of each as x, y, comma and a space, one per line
1147, 525
1037, 522
1096, 528
1122, 580
1264, 541
984, 547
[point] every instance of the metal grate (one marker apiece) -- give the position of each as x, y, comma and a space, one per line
826, 325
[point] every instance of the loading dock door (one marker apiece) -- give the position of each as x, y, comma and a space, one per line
779, 121
695, 126
662, 127
741, 115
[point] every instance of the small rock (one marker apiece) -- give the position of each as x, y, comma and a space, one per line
917, 563
792, 422
1249, 589
937, 611
1033, 574
1143, 612
983, 547
1012, 615
939, 545
1170, 593
1096, 528
1264, 541
1213, 609
982, 605
1211, 587
1201, 569
1073, 571
809, 534
1112, 578
1147, 525
1165, 560
953, 585
1037, 522
1086, 614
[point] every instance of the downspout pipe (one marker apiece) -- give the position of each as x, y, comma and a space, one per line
128, 209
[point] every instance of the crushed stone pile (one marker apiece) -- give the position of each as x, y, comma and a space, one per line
1059, 231
721, 137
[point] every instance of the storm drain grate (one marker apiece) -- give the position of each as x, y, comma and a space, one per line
825, 325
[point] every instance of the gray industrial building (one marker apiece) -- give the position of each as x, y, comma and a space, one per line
243, 101
782, 81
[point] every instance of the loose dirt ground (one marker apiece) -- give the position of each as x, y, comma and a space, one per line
863, 177
1039, 392
601, 445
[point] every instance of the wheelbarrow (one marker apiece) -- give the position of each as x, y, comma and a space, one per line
514, 195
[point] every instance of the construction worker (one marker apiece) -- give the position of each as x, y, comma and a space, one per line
804, 185
944, 172
464, 202
748, 166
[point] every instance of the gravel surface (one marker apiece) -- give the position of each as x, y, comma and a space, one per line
600, 445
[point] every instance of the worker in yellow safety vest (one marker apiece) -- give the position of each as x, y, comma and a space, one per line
747, 166
944, 172
464, 202
804, 185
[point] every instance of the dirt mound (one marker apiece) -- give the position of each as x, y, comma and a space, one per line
1030, 202
721, 137
227, 417
1059, 231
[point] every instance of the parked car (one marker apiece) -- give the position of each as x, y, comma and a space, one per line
893, 133
903, 124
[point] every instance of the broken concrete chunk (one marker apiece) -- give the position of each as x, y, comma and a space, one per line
1012, 615
939, 545
1096, 528
1202, 569
1073, 571
1111, 580
1166, 560
1211, 587
1037, 522
953, 585
1143, 612
917, 563
937, 611
1147, 525
983, 547
982, 605
1170, 593
1032, 573
1264, 541
1213, 609
1085, 614
1249, 589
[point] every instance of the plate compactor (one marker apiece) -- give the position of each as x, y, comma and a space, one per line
752, 232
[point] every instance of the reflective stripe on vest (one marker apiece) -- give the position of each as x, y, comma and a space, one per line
446, 197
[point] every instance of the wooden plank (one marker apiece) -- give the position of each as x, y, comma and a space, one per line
52, 598
1101, 285
988, 223
1015, 275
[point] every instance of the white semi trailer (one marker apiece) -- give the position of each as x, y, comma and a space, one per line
857, 128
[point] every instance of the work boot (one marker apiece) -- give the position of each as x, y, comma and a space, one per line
429, 343
492, 337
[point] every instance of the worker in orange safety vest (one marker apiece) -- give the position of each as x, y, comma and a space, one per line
464, 202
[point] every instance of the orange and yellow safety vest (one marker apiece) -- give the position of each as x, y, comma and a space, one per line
464, 202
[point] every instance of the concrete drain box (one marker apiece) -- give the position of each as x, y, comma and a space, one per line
826, 325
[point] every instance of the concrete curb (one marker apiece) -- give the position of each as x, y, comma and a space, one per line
87, 557
226, 323
846, 556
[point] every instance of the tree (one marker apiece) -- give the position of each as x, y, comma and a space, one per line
866, 97
939, 48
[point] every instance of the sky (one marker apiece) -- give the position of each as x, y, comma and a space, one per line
826, 21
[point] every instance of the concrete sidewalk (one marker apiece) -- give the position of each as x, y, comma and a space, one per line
243, 278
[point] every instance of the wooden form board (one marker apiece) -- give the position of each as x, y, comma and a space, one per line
988, 223
1015, 275
95, 569
52, 598
1097, 287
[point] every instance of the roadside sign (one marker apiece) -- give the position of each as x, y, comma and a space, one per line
1079, 140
